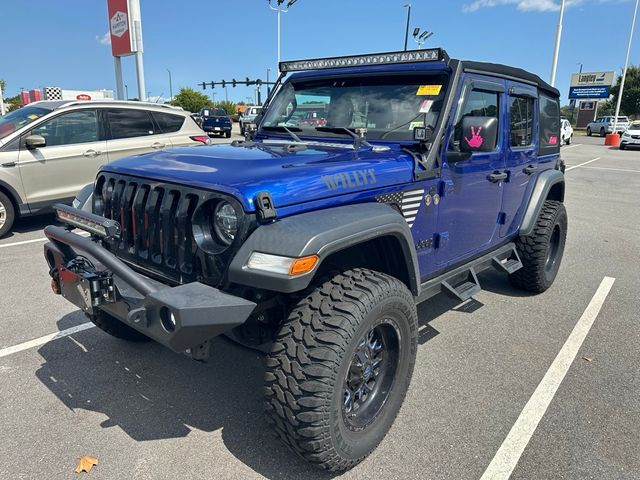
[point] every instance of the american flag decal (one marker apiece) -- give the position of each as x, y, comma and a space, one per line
408, 203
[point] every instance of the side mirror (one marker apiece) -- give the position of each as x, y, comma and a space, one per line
479, 134
35, 141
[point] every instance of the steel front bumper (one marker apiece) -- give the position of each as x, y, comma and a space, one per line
181, 318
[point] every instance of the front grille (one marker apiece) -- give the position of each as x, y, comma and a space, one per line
157, 227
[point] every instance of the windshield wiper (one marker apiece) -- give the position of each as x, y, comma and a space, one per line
288, 130
357, 139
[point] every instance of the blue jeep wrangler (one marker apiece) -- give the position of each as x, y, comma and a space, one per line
316, 243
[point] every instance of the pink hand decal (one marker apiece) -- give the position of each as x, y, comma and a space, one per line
476, 140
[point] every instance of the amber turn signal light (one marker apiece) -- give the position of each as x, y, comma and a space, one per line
303, 265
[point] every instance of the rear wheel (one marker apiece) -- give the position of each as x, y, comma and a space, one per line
541, 252
340, 367
116, 328
227, 134
7, 214
602, 132
568, 140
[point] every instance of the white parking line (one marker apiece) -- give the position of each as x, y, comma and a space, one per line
582, 164
613, 169
568, 147
24, 242
42, 340
509, 453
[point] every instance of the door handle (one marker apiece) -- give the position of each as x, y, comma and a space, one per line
530, 169
157, 145
91, 153
496, 177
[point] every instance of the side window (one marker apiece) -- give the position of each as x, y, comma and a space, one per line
482, 105
549, 116
167, 122
129, 123
521, 121
70, 128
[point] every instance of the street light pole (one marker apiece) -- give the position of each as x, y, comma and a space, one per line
170, 85
279, 10
268, 86
556, 53
626, 67
126, 89
406, 33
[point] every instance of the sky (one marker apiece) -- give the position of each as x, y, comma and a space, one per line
63, 43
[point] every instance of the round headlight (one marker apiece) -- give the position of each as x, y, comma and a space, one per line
225, 222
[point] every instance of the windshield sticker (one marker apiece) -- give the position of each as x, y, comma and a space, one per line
430, 90
413, 125
425, 107
32, 117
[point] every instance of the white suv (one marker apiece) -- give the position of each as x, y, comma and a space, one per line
50, 150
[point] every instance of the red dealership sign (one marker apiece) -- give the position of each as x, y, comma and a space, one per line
83, 96
120, 27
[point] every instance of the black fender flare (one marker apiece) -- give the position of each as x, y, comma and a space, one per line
544, 183
322, 233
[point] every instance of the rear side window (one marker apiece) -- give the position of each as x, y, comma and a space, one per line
549, 116
521, 121
129, 123
167, 122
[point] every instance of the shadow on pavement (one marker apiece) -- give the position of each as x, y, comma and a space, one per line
151, 393
31, 224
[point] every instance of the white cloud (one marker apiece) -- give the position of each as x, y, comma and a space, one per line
522, 5
104, 39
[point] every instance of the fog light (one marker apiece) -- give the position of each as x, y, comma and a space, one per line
168, 320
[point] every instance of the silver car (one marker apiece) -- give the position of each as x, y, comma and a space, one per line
50, 150
249, 116
603, 125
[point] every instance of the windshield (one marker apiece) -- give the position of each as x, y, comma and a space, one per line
623, 119
19, 118
389, 107
634, 126
213, 112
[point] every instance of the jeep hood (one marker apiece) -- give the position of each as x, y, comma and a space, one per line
291, 177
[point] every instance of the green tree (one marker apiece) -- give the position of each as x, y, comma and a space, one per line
191, 100
630, 105
228, 107
606, 108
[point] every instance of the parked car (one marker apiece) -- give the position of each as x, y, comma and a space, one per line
317, 243
312, 119
49, 150
631, 136
566, 131
215, 121
604, 125
249, 116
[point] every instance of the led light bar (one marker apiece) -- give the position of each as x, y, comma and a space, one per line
94, 224
412, 56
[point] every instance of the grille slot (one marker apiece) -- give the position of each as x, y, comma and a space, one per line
156, 221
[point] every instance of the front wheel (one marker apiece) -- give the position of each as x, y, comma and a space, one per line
568, 140
227, 134
541, 252
340, 367
588, 131
602, 132
7, 214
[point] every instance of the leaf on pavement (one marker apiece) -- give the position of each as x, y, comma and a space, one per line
86, 464
587, 359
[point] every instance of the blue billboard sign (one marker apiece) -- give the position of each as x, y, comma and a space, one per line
589, 92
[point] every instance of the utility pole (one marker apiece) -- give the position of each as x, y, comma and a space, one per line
268, 87
626, 67
126, 89
556, 53
2, 110
406, 33
170, 85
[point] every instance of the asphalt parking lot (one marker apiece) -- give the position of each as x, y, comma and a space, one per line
145, 412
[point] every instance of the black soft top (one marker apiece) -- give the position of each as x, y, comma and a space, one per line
511, 72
